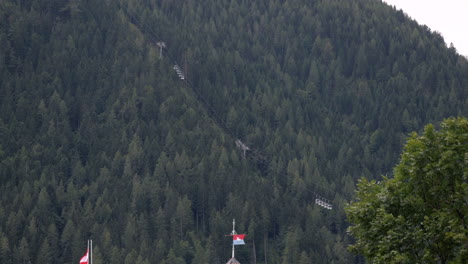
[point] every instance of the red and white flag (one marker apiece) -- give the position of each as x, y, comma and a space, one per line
238, 239
84, 259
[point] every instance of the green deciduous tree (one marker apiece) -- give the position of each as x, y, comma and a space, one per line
419, 216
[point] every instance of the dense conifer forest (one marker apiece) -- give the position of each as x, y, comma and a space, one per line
100, 138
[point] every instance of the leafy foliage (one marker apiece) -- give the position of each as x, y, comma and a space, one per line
419, 216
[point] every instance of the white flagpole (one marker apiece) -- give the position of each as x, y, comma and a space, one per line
232, 249
87, 248
233, 233
91, 250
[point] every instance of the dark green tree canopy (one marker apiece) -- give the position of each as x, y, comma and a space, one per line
419, 215
100, 138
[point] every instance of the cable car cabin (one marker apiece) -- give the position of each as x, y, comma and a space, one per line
323, 204
179, 72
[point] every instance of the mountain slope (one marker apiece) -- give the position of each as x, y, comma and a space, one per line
99, 137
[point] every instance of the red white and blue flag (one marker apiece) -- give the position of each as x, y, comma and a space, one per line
238, 239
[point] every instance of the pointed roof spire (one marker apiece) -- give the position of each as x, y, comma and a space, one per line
233, 261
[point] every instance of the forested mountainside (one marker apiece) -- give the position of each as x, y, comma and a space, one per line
99, 138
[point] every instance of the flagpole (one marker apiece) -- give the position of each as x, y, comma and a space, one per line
233, 233
87, 249
91, 258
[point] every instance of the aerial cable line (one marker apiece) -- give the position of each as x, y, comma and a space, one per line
320, 200
221, 123
154, 39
